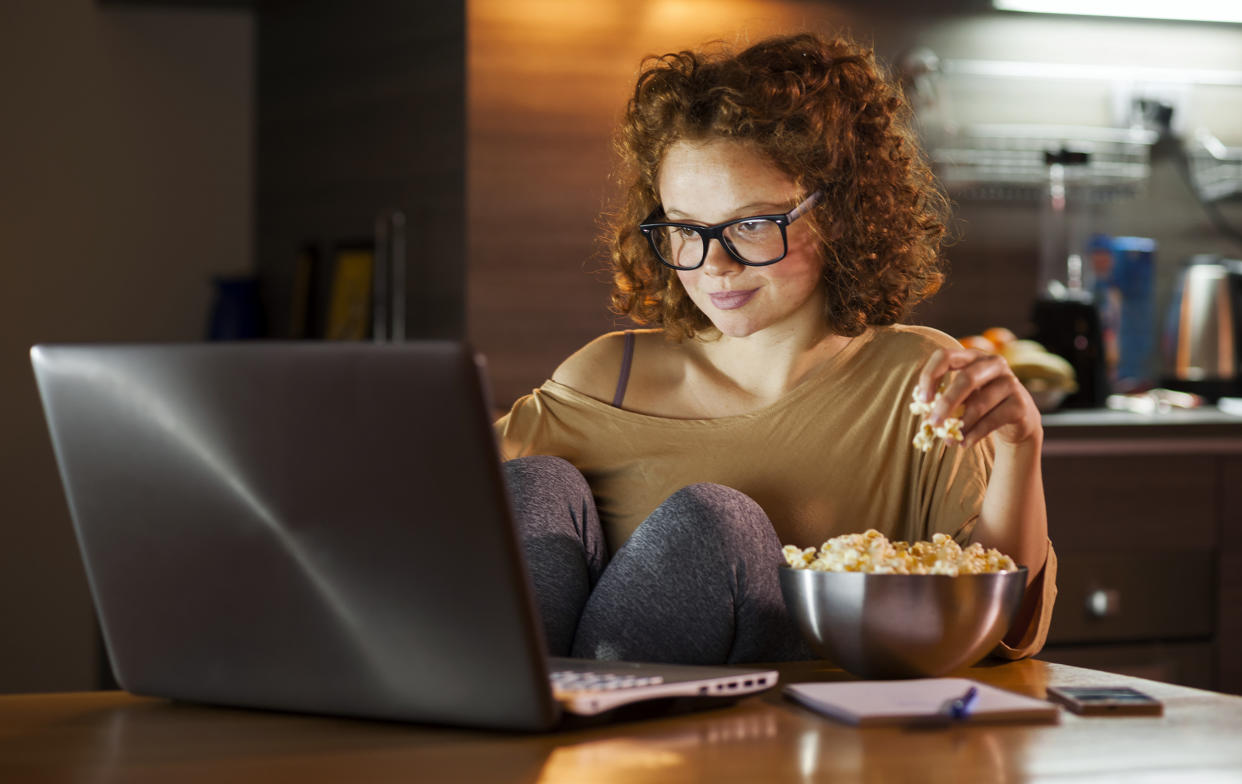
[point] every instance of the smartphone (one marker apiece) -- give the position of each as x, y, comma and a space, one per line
1106, 700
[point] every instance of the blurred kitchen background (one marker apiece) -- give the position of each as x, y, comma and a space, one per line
171, 170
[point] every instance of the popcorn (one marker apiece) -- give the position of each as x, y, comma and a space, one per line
949, 430
797, 556
918, 407
872, 552
925, 437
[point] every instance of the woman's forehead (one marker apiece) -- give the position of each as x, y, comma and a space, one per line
717, 177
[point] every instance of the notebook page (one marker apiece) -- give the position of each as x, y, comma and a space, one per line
865, 703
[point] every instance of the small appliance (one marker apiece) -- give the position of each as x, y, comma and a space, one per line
1202, 344
1069, 326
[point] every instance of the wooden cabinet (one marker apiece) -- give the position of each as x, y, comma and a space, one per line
1229, 570
361, 111
1147, 524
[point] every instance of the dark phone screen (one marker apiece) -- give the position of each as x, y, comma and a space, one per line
1105, 694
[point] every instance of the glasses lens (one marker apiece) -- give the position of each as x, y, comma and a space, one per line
678, 247
758, 241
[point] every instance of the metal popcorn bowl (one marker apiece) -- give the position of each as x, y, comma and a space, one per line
902, 625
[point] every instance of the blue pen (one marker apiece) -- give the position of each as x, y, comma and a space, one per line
961, 707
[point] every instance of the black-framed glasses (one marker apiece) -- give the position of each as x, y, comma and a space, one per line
755, 241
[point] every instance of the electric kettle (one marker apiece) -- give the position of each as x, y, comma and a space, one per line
1202, 344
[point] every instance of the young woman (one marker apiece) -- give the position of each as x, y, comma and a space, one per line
778, 223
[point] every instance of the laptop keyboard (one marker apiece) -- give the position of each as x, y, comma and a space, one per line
566, 682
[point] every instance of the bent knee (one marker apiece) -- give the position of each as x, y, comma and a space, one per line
547, 472
709, 496
541, 466
718, 506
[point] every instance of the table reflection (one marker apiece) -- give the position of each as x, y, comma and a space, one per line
657, 750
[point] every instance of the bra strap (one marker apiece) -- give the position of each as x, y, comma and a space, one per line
623, 380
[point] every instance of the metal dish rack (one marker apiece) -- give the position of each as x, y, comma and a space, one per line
1014, 162
1007, 161
1215, 168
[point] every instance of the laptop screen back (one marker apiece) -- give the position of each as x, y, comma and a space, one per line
301, 526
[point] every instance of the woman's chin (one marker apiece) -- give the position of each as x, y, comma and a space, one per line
735, 328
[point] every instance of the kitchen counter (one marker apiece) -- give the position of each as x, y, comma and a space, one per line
1206, 430
1145, 511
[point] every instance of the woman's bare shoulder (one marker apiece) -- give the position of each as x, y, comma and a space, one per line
593, 369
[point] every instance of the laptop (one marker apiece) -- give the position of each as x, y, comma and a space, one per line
320, 528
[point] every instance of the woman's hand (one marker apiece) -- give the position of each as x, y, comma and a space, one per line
1013, 517
990, 397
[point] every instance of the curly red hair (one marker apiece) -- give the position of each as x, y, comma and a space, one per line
823, 112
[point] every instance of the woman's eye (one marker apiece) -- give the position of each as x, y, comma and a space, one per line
683, 233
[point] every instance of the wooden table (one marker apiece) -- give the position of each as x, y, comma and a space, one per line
113, 736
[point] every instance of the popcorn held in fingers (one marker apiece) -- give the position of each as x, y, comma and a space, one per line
917, 406
872, 552
925, 438
949, 430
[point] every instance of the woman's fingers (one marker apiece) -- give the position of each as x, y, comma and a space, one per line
1003, 415
989, 408
981, 390
969, 376
938, 364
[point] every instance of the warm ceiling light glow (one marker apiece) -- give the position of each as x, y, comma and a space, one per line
1182, 10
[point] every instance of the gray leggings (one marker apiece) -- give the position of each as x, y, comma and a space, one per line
696, 583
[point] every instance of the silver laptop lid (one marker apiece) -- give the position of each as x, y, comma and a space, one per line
315, 527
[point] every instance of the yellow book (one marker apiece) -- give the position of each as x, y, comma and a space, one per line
349, 310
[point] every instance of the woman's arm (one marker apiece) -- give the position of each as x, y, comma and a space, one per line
984, 393
1014, 518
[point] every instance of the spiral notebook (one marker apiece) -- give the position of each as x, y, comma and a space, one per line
917, 701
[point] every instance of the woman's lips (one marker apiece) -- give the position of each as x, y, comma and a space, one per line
730, 300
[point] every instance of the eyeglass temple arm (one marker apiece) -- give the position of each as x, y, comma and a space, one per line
804, 207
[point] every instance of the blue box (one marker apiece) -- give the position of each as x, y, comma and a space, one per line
1133, 276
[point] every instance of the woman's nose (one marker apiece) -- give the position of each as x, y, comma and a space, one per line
718, 260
